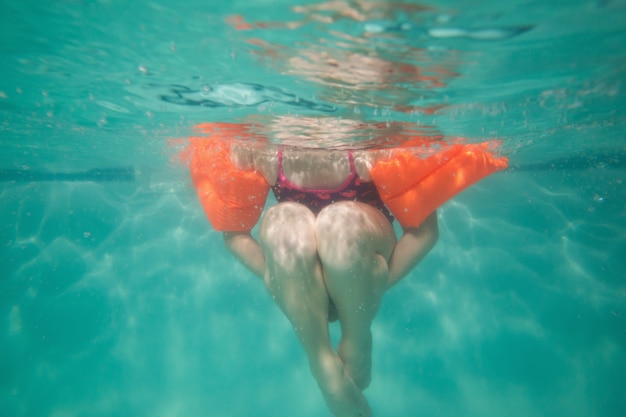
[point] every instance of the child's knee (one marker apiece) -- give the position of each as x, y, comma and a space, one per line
287, 234
286, 219
342, 235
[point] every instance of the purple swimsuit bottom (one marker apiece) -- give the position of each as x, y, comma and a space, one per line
353, 189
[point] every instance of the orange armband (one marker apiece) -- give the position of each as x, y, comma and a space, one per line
413, 187
232, 198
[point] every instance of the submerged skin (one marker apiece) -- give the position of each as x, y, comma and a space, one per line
336, 265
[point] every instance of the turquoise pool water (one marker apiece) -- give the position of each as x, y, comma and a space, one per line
116, 298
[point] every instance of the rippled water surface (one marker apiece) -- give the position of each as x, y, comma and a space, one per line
117, 299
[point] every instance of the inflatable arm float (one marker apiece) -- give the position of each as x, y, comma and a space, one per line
232, 198
412, 186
